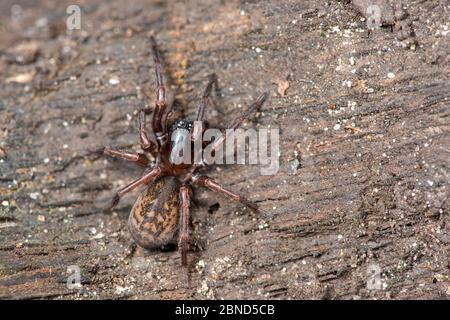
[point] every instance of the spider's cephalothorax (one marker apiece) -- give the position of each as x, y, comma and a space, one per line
162, 210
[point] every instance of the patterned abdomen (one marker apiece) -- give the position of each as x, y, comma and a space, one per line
153, 221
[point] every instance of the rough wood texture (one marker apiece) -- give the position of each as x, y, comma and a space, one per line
364, 164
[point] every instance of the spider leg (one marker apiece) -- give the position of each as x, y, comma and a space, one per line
185, 199
196, 130
160, 103
212, 80
209, 183
239, 120
145, 142
147, 178
166, 120
138, 158
129, 252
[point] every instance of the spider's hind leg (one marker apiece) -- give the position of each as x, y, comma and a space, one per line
183, 244
147, 178
130, 251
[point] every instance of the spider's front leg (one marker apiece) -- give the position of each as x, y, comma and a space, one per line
145, 142
183, 244
197, 129
216, 144
159, 129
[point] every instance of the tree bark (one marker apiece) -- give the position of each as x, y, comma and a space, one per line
358, 208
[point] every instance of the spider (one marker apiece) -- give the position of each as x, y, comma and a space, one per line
162, 210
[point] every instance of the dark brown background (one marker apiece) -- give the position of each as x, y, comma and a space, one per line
371, 188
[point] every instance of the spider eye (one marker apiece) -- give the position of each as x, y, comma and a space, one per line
182, 124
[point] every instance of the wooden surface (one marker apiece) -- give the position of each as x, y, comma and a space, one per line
364, 154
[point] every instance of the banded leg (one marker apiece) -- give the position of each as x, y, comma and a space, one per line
183, 244
209, 183
138, 158
239, 120
160, 104
145, 179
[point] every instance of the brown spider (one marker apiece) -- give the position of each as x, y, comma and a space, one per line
162, 210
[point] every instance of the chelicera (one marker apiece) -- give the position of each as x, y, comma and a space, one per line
161, 213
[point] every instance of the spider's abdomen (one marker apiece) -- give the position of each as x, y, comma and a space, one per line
153, 221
